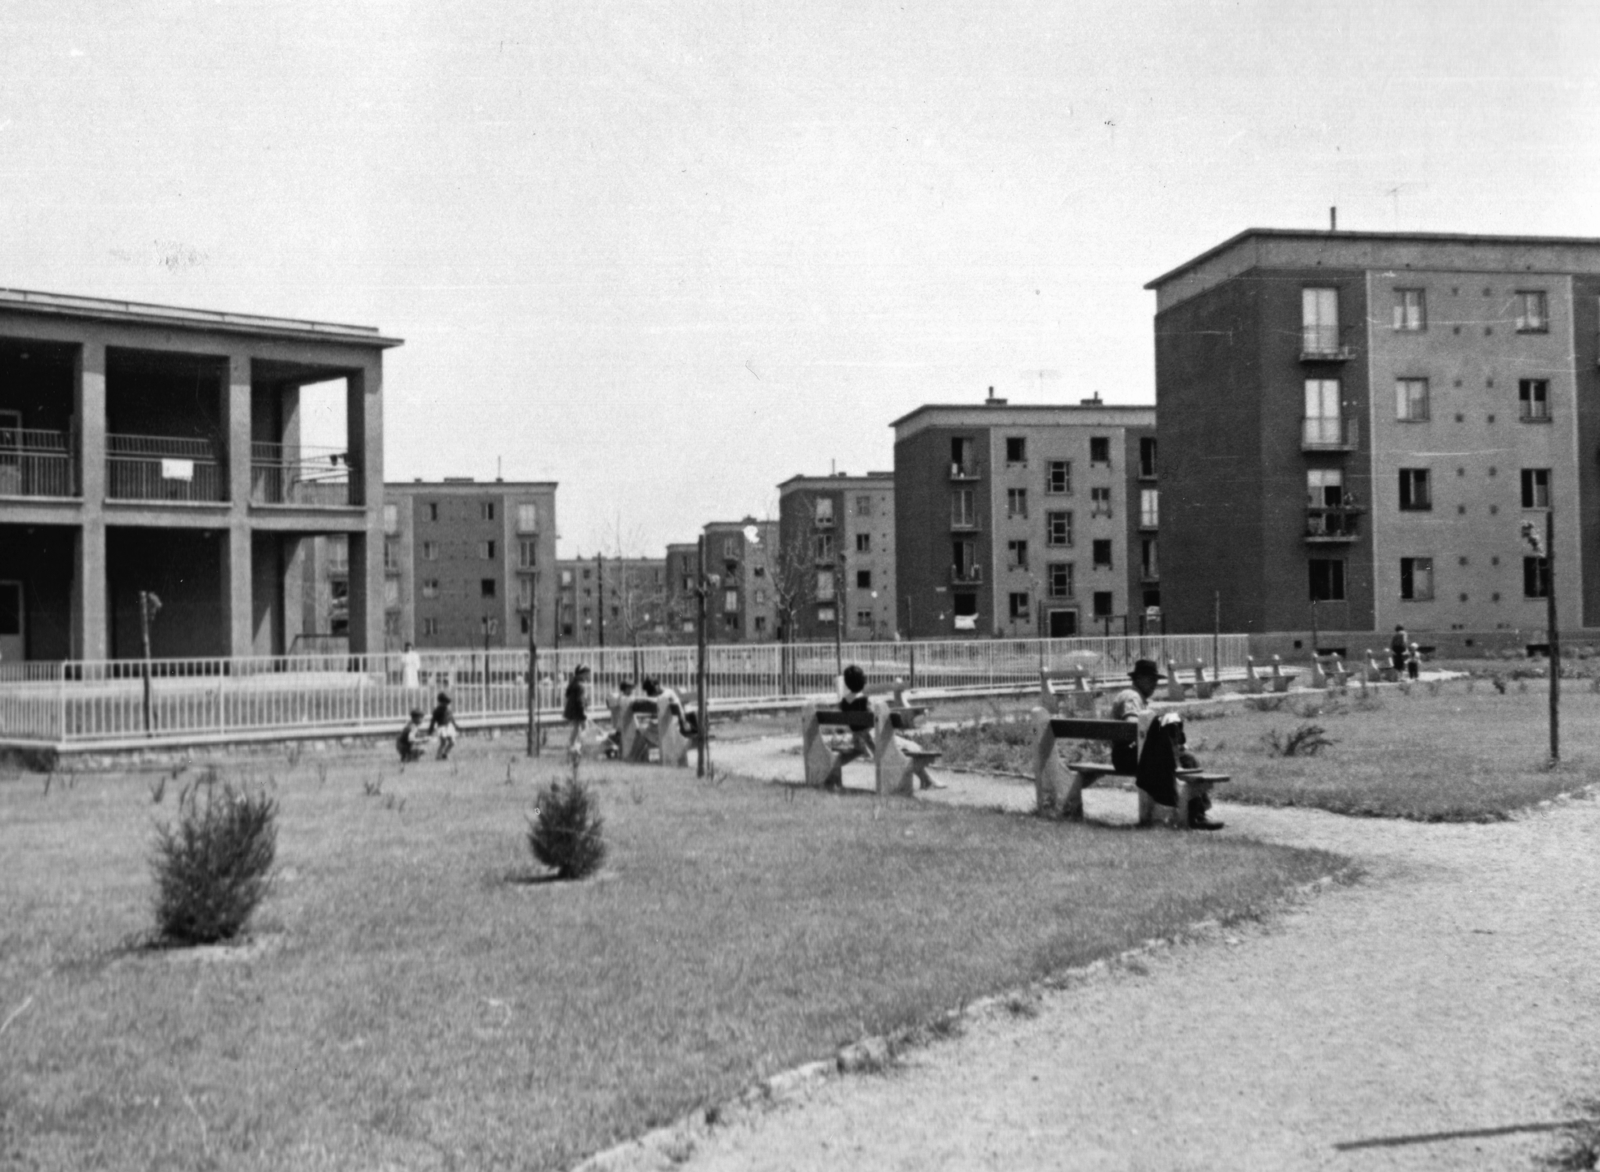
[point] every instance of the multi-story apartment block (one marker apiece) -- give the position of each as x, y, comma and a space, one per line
1026, 521
683, 573
1355, 427
834, 562
741, 607
151, 450
616, 602
470, 560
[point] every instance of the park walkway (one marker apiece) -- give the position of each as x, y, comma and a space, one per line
1440, 1013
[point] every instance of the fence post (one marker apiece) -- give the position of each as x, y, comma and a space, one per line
61, 690
913, 681
361, 700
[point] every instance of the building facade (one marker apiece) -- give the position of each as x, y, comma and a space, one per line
150, 450
834, 561
683, 572
1355, 427
468, 560
740, 607
616, 602
1026, 521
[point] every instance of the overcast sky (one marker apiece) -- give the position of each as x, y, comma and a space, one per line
671, 254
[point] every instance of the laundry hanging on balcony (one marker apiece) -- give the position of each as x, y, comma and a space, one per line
177, 469
966, 622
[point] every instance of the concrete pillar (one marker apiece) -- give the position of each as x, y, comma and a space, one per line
364, 423
239, 618
90, 636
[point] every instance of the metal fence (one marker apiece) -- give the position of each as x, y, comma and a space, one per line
177, 701
162, 468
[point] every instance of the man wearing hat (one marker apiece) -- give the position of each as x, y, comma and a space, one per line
1154, 760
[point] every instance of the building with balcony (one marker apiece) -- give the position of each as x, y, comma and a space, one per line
1026, 521
613, 601
834, 561
741, 606
152, 449
467, 559
1355, 425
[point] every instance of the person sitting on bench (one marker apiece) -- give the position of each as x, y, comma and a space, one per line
1155, 758
688, 723
854, 700
619, 702
412, 739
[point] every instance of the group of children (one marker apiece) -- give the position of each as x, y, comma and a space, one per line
575, 710
413, 739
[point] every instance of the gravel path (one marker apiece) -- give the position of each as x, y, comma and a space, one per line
1455, 989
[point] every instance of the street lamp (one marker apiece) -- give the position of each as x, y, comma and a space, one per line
490, 626
1546, 549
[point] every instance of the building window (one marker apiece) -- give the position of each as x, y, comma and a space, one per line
1057, 529
1016, 502
1099, 449
824, 614
863, 543
1017, 555
1536, 488
587, 573
1415, 495
1102, 604
1327, 579
863, 506
1100, 502
824, 586
1319, 321
964, 560
1020, 605
730, 545
1323, 424
1411, 399
1149, 562
524, 624
486, 510
566, 579
391, 555
1416, 579
527, 554
824, 510
430, 588
1149, 508
761, 598
1533, 394
391, 518
486, 550
863, 579
1102, 553
1016, 451
761, 623
962, 462
1533, 312
1058, 476
430, 551
1058, 579
527, 518
730, 602
822, 546
864, 619
433, 510
1147, 457
1535, 577
962, 515
391, 592
1410, 310
525, 593
431, 627
486, 587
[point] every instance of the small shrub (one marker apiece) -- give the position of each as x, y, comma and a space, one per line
565, 831
1267, 703
1499, 682
1309, 710
214, 866
374, 787
1306, 741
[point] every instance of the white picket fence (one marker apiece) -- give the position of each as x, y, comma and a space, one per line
190, 701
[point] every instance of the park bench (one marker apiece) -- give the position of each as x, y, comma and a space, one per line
1059, 794
1077, 697
895, 768
652, 722
1254, 685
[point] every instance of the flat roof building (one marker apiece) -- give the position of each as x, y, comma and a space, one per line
612, 601
741, 607
834, 562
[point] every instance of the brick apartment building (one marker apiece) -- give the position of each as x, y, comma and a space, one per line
151, 448
1026, 521
835, 556
1364, 420
741, 607
682, 572
614, 602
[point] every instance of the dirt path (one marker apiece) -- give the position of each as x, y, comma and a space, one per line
1455, 990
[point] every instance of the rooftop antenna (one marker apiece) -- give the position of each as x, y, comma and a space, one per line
1333, 219
499, 470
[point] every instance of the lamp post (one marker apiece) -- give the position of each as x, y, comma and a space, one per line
149, 604
490, 626
533, 672
703, 583
838, 614
1545, 548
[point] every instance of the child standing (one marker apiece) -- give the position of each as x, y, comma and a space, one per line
444, 724
576, 710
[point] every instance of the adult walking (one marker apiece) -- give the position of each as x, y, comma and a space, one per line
1399, 648
576, 709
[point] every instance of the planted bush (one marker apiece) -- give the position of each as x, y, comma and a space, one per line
213, 867
566, 831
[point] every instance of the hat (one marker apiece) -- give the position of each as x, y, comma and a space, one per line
1145, 667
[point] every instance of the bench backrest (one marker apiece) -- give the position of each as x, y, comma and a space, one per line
895, 690
1078, 729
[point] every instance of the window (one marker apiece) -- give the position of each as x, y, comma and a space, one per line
1058, 579
864, 618
761, 623
1533, 312
391, 592
1102, 553
1016, 451
1149, 562
1058, 476
1057, 529
863, 543
527, 554
1411, 399
1327, 579
486, 587
863, 506
1102, 604
1099, 449
1149, 508
730, 602
430, 588
1147, 457
964, 560
1414, 493
863, 579
433, 510
824, 586
822, 546
825, 614
527, 518
1020, 605
486, 510
1324, 488
1319, 321
961, 460
587, 573
1533, 394
391, 518
431, 627
1016, 502
962, 515
730, 546
1100, 502
1016, 555
486, 550
1410, 310
1416, 579
524, 624
430, 551
1536, 488
761, 598
525, 592
964, 603
758, 571
1535, 578
391, 554
1322, 425
824, 510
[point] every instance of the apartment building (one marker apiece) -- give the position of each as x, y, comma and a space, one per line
613, 601
469, 561
683, 573
834, 562
153, 450
1026, 521
741, 606
1355, 426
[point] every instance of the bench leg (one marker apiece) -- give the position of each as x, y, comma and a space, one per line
1072, 798
1191, 791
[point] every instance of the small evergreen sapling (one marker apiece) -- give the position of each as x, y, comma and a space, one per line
565, 831
212, 868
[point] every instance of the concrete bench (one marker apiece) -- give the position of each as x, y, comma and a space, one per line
1060, 795
652, 722
1077, 697
896, 769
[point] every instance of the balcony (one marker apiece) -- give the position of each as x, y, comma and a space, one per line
36, 463
162, 468
1330, 434
964, 521
1331, 526
966, 575
966, 470
1321, 344
283, 474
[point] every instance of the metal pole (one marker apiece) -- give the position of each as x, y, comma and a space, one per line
1553, 635
1316, 633
838, 615
1216, 634
148, 605
700, 669
533, 675
600, 594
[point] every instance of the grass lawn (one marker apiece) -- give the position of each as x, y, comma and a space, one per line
1455, 751
406, 1003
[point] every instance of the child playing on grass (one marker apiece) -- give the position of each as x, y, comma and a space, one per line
576, 710
412, 738
444, 725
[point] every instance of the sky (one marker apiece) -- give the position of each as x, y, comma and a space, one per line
671, 254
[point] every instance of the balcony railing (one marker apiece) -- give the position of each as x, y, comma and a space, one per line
1330, 434
288, 474
964, 521
1332, 525
36, 463
1321, 344
966, 575
824, 522
162, 468
966, 470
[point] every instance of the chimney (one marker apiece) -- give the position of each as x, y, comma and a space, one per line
1333, 219
1092, 401
991, 401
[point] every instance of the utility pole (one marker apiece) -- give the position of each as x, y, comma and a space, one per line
533, 671
838, 613
702, 584
600, 593
149, 604
489, 627
1546, 548
1216, 634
